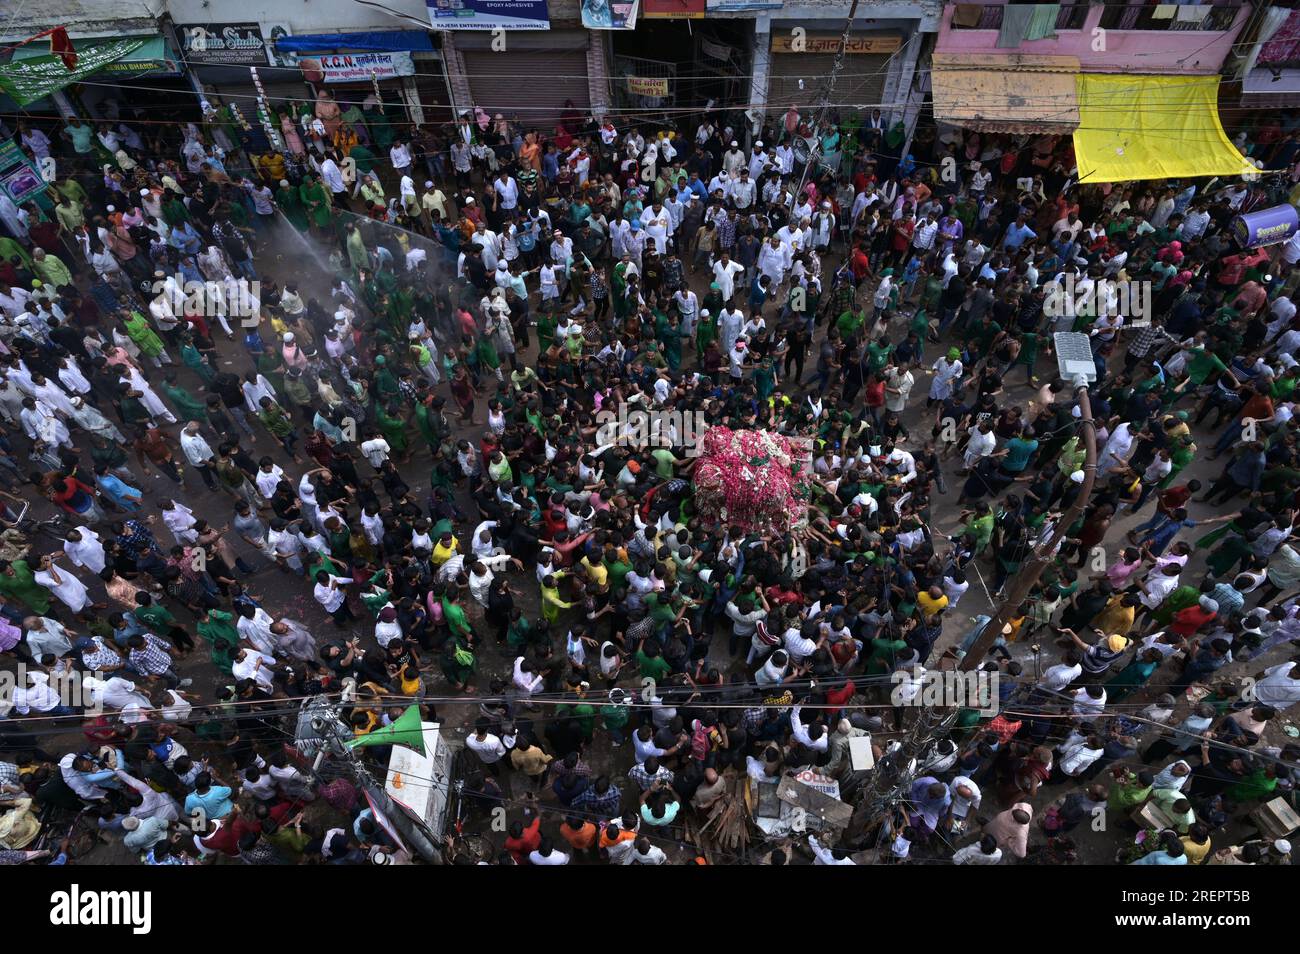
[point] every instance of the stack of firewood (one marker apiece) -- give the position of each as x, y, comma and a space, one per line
725, 828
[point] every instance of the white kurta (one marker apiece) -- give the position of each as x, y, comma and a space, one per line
257, 631
40, 424
180, 521
87, 551
773, 262
70, 590
148, 397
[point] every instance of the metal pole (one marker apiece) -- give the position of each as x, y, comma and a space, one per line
1018, 587
814, 154
412, 829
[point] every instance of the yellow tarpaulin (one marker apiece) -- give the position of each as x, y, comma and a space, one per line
1152, 127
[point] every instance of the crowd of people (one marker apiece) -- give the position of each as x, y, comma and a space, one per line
423, 333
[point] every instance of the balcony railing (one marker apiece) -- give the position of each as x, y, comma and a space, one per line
1140, 16
1143, 17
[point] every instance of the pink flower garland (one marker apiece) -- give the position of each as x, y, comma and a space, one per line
745, 478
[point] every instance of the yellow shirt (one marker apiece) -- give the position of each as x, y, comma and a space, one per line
1115, 618
530, 761
596, 572
442, 554
1196, 854
929, 605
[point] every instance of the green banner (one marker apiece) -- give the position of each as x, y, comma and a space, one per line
26, 81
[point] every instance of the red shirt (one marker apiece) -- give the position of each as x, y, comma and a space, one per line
226, 838
71, 492
840, 696
861, 181
1002, 728
554, 520
1188, 621
1175, 497
520, 848
777, 595
902, 236
860, 265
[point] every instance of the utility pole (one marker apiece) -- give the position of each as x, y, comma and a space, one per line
1018, 587
814, 152
892, 776
330, 741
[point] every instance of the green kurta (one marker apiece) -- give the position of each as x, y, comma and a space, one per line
358, 254
190, 407
316, 203
222, 638
144, 337
393, 428
23, 587
289, 200
363, 157
174, 212
706, 332
195, 361
424, 423
10, 249
381, 130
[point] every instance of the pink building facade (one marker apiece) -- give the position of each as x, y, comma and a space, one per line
1138, 38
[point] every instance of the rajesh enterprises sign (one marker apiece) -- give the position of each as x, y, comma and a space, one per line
830, 43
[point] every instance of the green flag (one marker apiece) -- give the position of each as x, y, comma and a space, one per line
28, 80
405, 731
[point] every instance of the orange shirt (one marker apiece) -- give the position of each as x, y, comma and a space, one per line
623, 835
530, 153
580, 839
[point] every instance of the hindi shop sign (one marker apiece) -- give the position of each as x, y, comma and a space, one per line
830, 43
360, 67
232, 44
654, 86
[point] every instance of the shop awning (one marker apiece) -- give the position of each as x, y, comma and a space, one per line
1152, 127
1016, 94
28, 79
382, 41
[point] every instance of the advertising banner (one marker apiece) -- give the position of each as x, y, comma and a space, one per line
18, 177
359, 67
230, 44
489, 14
672, 9
27, 81
1266, 227
609, 14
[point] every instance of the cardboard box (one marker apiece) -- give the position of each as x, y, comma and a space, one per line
1151, 816
1276, 819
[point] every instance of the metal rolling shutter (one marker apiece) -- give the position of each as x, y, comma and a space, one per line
861, 82
431, 87
528, 85
280, 95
